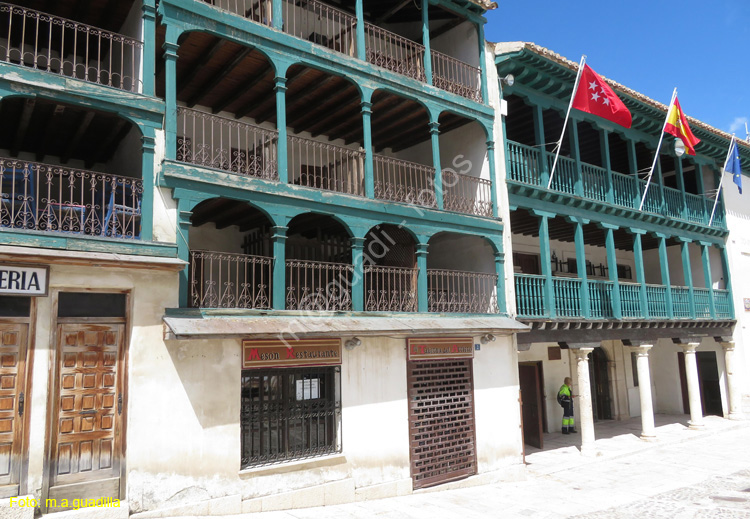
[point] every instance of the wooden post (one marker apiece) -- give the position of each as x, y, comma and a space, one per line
664, 264
705, 256
546, 259
426, 41
435, 136
575, 151
170, 96
640, 271
612, 266
361, 45
538, 115
422, 290
369, 159
358, 276
280, 89
688, 273
278, 236
581, 267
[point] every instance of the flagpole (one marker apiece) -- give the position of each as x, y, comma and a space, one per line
567, 116
658, 148
723, 172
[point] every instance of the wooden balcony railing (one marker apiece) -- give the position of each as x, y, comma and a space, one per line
406, 182
223, 280
453, 291
69, 48
43, 197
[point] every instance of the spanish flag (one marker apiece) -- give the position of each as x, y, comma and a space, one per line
677, 125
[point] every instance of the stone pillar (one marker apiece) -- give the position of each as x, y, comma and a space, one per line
694, 390
648, 430
734, 395
585, 411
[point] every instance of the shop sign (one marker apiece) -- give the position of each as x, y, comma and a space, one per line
440, 348
275, 353
24, 280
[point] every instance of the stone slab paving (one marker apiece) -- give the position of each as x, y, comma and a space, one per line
685, 475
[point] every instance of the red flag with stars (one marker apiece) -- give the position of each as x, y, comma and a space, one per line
596, 97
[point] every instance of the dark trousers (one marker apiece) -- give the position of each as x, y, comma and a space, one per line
568, 422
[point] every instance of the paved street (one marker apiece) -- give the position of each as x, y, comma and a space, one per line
686, 475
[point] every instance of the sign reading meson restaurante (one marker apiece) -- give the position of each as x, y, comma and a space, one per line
274, 353
440, 348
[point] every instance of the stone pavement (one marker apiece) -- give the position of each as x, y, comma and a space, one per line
685, 474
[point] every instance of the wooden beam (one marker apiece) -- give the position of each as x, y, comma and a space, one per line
304, 111
184, 82
49, 130
248, 107
243, 89
207, 211
83, 125
218, 78
339, 117
291, 106
270, 112
446, 27
332, 115
231, 216
23, 126
328, 103
394, 104
393, 10
112, 139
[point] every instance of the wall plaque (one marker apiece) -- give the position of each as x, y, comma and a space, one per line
24, 280
440, 348
275, 353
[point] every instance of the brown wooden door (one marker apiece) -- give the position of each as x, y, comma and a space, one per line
13, 351
86, 436
532, 405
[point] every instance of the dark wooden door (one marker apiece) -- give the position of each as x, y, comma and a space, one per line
531, 395
710, 385
86, 434
600, 390
13, 353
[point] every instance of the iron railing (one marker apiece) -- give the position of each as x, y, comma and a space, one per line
453, 291
402, 181
393, 52
390, 289
220, 143
50, 198
69, 48
320, 23
326, 166
530, 295
318, 286
455, 76
467, 194
224, 280
260, 11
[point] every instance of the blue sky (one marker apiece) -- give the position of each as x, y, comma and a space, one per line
651, 46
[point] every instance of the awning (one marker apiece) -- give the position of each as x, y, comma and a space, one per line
214, 327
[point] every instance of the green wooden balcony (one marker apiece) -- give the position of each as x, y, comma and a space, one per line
531, 166
569, 300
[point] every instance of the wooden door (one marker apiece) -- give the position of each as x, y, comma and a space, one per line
86, 435
13, 352
528, 375
709, 383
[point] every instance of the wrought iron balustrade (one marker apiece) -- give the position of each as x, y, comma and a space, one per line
525, 163
326, 166
723, 304
220, 143
260, 11
530, 295
318, 286
393, 52
467, 194
320, 23
390, 289
455, 76
225, 280
453, 291
702, 302
630, 300
567, 296
69, 48
43, 197
402, 181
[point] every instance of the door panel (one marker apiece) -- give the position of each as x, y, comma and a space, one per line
532, 405
86, 437
13, 351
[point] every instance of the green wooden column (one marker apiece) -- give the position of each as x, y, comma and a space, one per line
369, 158
705, 256
278, 14
681, 186
581, 266
426, 41
422, 295
493, 177
664, 264
148, 10
544, 167
149, 185
612, 267
435, 136
727, 277
278, 236
502, 304
640, 271
545, 257
483, 63
282, 145
633, 170
604, 144
361, 46
358, 276
575, 151
688, 272
702, 191
184, 214
660, 181
170, 95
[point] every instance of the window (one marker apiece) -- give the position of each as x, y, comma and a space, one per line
289, 414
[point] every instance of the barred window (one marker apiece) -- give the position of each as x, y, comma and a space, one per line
289, 414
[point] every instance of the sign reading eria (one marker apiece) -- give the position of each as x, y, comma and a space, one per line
274, 353
440, 348
24, 280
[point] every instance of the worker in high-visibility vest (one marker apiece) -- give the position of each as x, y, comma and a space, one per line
565, 399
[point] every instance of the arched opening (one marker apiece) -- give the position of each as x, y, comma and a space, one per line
231, 256
461, 283
319, 268
600, 387
390, 270
71, 169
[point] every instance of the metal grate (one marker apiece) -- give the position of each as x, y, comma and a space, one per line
441, 421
